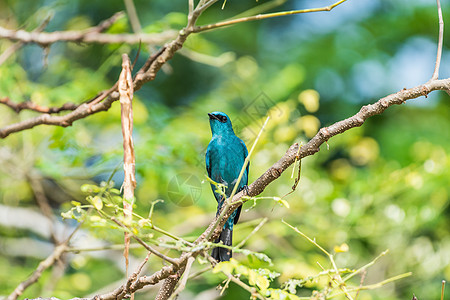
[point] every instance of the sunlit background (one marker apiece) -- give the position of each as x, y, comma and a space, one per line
382, 186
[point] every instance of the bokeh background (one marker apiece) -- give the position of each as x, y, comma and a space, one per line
382, 186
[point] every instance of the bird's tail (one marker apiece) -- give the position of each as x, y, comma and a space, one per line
223, 254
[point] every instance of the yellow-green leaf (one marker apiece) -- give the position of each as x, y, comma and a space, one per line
342, 248
224, 266
98, 203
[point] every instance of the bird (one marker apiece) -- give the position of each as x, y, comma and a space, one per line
225, 157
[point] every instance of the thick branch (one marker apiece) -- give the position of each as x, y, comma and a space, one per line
82, 111
173, 273
103, 101
322, 136
312, 147
18, 107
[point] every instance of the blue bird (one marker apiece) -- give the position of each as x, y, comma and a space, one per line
225, 157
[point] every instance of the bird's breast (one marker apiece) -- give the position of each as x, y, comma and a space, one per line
226, 158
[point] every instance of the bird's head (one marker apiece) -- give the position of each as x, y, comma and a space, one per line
220, 123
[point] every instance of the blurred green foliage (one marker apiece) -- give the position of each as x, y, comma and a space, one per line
382, 186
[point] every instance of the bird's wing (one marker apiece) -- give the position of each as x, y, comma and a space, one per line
208, 162
245, 156
238, 210
210, 150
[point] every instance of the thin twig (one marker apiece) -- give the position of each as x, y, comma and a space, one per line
365, 267
15, 47
373, 286
340, 282
257, 228
200, 272
440, 42
132, 15
145, 245
442, 289
253, 292
18, 107
361, 283
91, 35
102, 248
265, 16
204, 6
42, 202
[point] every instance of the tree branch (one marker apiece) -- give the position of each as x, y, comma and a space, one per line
80, 112
173, 272
43, 265
104, 100
440, 42
324, 134
126, 112
312, 147
265, 16
91, 35
18, 107
146, 246
185, 278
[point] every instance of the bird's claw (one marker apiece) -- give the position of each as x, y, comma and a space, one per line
246, 190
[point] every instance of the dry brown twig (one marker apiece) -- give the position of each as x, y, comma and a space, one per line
91, 35
28, 105
440, 42
129, 184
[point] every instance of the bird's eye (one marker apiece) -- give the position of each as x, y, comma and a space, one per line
222, 119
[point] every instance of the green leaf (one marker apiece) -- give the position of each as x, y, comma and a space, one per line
259, 280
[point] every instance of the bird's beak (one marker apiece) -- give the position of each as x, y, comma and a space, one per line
212, 117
